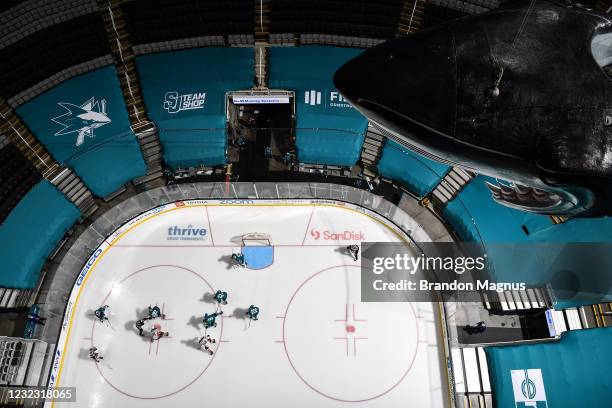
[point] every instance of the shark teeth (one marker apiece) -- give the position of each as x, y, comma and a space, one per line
524, 197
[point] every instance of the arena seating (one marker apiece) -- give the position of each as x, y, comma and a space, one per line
574, 370
26, 17
7, 4
434, 14
342, 17
477, 218
3, 141
496, 223
593, 236
17, 176
159, 20
528, 248
31, 232
47, 51
193, 135
104, 153
417, 173
329, 130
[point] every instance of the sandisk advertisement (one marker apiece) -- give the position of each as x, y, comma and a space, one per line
346, 235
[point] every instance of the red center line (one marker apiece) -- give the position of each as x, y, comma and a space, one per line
355, 317
345, 315
308, 225
162, 312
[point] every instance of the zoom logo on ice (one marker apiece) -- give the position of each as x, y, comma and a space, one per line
188, 233
236, 202
327, 235
528, 387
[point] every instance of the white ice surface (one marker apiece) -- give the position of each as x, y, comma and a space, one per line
315, 344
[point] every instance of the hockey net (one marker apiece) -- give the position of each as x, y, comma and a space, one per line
256, 239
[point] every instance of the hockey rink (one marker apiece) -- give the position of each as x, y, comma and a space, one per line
315, 344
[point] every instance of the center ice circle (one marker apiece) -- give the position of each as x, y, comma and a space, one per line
133, 365
335, 343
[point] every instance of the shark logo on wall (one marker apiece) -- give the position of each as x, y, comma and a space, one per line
82, 119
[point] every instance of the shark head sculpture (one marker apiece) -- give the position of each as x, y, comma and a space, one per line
522, 94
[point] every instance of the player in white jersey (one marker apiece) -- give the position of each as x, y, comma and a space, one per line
205, 341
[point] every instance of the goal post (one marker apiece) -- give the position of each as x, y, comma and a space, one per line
256, 239
257, 250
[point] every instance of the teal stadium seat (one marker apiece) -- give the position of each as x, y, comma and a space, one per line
418, 173
529, 248
328, 129
31, 232
102, 149
185, 95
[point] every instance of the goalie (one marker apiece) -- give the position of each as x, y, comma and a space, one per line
239, 259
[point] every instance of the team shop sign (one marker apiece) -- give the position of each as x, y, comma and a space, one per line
175, 102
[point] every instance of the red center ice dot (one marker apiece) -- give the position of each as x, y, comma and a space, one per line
350, 329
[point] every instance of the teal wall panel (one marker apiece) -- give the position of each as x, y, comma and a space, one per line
185, 95
31, 232
83, 122
329, 129
574, 371
418, 173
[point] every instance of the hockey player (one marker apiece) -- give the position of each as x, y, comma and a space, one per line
94, 355
100, 313
157, 333
209, 320
253, 312
354, 251
239, 259
139, 324
205, 341
155, 312
221, 297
